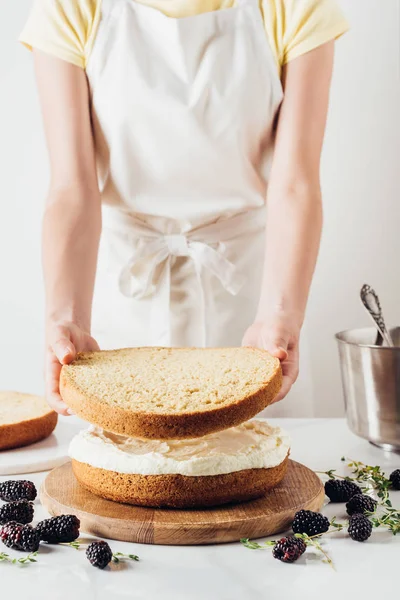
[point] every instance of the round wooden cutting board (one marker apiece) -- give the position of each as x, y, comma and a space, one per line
301, 488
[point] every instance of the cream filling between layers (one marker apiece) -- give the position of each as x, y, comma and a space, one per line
251, 445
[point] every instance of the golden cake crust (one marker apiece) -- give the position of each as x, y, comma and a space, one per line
169, 425
179, 491
17, 435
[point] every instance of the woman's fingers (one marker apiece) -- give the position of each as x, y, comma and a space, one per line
250, 337
64, 350
53, 369
92, 345
276, 342
290, 372
278, 352
65, 340
62, 345
285, 389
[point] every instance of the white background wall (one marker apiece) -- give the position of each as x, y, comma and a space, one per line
360, 174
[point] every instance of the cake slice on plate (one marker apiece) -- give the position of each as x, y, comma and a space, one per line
24, 419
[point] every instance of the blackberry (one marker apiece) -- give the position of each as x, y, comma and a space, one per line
360, 528
395, 479
20, 511
360, 503
20, 537
341, 490
311, 523
17, 490
288, 549
99, 554
59, 530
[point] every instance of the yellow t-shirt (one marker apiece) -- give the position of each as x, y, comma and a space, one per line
67, 28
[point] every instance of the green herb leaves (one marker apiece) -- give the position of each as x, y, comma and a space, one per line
374, 480
30, 558
254, 545
308, 540
120, 555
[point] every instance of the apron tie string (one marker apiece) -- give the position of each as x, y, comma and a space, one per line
138, 277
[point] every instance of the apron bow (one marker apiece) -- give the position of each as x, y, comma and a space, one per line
148, 269
138, 280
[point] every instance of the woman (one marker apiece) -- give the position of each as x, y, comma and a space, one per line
183, 120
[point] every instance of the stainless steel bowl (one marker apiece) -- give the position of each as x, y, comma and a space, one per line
371, 386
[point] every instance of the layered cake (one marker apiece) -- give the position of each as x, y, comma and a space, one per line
238, 464
171, 427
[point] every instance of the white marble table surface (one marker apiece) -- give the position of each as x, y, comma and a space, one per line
229, 571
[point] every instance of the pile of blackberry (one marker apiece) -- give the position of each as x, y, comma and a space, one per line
17, 513
18, 534
308, 525
312, 524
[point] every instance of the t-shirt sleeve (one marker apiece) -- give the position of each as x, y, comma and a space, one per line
62, 28
298, 26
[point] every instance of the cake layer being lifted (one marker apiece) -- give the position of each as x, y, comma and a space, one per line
170, 393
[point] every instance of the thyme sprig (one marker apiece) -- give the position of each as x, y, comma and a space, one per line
373, 482
74, 544
372, 478
312, 540
376, 481
255, 545
117, 556
389, 517
30, 558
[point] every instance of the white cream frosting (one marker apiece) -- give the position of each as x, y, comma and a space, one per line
252, 445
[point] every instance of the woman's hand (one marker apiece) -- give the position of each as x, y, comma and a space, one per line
281, 338
64, 341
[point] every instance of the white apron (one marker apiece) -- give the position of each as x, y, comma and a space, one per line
183, 117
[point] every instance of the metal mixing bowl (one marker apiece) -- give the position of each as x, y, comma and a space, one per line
371, 386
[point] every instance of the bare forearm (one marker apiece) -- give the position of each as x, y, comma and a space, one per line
71, 232
294, 224
294, 217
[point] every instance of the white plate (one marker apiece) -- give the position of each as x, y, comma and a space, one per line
42, 456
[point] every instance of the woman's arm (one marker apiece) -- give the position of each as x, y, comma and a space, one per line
294, 207
72, 218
